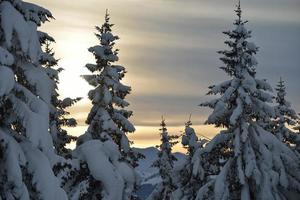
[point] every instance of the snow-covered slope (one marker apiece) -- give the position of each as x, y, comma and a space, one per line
150, 175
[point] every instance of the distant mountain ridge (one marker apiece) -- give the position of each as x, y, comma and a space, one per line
150, 175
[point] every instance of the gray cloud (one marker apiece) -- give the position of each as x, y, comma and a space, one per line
169, 48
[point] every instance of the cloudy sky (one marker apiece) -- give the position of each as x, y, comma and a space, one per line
169, 50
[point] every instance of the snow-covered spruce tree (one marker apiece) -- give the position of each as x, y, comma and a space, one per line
26, 148
189, 180
297, 129
108, 119
58, 112
297, 126
285, 115
106, 161
255, 164
190, 139
165, 164
64, 169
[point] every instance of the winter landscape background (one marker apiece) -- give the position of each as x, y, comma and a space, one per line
169, 49
175, 67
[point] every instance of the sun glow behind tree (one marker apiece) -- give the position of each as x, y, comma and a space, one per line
187, 55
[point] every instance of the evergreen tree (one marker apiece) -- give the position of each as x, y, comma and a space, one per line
58, 112
297, 126
111, 174
192, 173
254, 163
108, 119
64, 169
285, 115
165, 164
26, 149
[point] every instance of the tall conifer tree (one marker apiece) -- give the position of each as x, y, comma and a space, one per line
106, 160
26, 149
285, 116
165, 165
108, 119
58, 110
254, 164
191, 176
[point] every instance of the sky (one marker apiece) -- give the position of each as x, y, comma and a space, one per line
169, 50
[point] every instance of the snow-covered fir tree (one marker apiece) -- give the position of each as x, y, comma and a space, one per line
64, 169
58, 112
297, 126
254, 163
165, 165
285, 116
190, 139
192, 173
26, 149
297, 129
108, 119
105, 159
